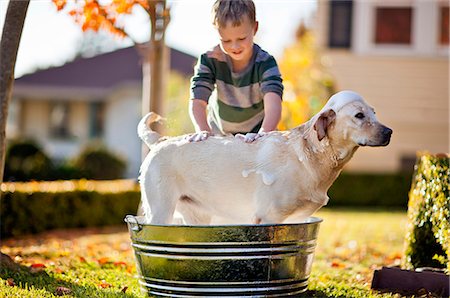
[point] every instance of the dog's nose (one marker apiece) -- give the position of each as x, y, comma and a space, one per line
386, 135
387, 132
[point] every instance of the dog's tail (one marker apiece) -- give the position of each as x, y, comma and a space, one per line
144, 131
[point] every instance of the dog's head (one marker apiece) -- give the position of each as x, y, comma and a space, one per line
348, 118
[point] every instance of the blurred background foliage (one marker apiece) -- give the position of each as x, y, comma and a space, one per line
307, 83
27, 161
176, 113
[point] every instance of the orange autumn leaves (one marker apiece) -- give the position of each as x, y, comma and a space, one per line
96, 255
91, 15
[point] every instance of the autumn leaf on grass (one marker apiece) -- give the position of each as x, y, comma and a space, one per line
61, 291
10, 282
103, 261
58, 271
124, 289
37, 267
130, 269
120, 264
337, 264
104, 285
394, 259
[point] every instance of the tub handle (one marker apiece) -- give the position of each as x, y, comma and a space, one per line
135, 226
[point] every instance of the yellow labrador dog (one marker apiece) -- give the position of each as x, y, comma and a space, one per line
282, 174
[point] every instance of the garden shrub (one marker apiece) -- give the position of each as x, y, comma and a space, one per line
427, 242
39, 206
98, 163
25, 161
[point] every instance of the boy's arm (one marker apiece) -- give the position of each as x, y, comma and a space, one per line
272, 115
197, 112
272, 112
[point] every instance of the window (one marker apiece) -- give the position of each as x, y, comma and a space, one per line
96, 114
13, 121
393, 25
444, 25
340, 30
59, 120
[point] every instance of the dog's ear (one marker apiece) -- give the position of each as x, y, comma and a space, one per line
323, 122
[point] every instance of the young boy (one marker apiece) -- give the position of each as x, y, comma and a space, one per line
246, 79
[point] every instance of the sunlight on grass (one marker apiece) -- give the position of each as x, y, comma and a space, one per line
351, 245
100, 262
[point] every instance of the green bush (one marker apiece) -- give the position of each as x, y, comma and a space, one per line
24, 212
25, 161
370, 190
427, 242
98, 163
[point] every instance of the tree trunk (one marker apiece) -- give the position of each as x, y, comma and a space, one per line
9, 45
155, 60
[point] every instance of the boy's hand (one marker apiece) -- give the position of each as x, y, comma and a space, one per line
198, 136
250, 137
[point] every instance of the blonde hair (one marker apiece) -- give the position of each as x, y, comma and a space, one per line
233, 11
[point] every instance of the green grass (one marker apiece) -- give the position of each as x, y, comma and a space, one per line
100, 262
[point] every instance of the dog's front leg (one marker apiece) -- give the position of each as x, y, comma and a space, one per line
268, 216
268, 219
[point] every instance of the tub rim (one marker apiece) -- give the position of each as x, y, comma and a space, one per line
138, 220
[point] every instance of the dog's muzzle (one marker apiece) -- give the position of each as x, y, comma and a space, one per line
381, 137
384, 136
386, 133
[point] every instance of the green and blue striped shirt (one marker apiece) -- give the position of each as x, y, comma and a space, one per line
237, 105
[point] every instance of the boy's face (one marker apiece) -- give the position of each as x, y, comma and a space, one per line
237, 41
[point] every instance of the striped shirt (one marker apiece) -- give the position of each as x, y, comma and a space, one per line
237, 104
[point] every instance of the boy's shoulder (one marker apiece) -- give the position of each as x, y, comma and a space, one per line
261, 55
216, 53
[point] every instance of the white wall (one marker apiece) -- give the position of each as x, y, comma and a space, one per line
122, 114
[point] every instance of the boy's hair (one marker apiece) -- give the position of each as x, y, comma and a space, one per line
224, 11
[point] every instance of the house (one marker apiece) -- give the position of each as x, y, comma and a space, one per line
99, 98
395, 54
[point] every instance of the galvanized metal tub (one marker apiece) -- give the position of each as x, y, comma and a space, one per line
223, 261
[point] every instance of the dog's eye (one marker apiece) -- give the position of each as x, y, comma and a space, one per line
359, 115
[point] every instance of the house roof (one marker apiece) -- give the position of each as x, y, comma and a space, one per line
100, 72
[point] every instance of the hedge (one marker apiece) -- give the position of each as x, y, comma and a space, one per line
39, 206
370, 190
427, 242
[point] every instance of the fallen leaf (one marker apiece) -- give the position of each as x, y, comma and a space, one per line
337, 264
10, 282
37, 267
130, 269
124, 289
103, 261
103, 284
120, 264
61, 291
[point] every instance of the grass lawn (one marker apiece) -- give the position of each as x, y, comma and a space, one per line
100, 262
